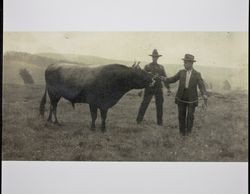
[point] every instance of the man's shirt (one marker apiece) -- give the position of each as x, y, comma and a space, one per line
188, 75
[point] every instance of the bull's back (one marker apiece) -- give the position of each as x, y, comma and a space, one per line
68, 74
81, 75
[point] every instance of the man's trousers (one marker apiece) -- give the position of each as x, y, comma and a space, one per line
148, 94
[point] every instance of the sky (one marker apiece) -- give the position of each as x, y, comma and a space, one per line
227, 49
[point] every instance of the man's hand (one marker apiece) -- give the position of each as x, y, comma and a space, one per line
205, 100
163, 78
169, 92
152, 83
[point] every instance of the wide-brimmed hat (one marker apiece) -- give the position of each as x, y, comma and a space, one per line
155, 53
189, 57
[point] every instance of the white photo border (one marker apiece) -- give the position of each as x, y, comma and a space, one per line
25, 177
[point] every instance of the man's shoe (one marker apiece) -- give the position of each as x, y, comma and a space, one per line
183, 133
159, 123
188, 132
138, 122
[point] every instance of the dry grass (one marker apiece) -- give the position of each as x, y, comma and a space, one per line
219, 134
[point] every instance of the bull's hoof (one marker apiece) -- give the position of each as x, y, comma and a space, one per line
103, 130
57, 123
49, 120
92, 128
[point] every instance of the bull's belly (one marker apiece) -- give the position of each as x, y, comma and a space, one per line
70, 94
103, 102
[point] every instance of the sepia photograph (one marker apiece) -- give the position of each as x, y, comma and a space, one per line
125, 96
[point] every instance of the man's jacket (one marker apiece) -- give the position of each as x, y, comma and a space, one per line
195, 80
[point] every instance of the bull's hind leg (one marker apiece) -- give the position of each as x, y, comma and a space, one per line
93, 111
55, 115
54, 99
104, 116
50, 114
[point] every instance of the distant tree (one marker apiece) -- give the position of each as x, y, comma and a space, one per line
226, 85
26, 76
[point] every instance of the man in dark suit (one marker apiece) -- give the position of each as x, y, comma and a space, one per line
158, 71
187, 95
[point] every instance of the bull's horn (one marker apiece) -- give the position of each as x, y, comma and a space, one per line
134, 64
137, 65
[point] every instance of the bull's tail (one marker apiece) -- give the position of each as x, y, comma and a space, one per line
43, 102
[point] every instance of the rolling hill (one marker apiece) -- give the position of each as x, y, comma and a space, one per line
36, 64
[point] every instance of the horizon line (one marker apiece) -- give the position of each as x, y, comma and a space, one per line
218, 66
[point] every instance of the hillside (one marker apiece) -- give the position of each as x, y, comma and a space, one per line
36, 64
82, 59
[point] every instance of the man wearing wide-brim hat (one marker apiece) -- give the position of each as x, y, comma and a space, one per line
187, 95
158, 71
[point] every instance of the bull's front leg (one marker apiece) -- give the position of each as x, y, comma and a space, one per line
93, 111
104, 116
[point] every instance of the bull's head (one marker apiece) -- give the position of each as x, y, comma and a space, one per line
141, 78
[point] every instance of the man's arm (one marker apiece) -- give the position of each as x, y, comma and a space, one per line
173, 79
165, 75
202, 88
201, 85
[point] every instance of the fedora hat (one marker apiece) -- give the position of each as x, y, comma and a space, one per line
189, 57
155, 53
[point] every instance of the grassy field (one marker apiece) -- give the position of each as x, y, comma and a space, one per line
220, 133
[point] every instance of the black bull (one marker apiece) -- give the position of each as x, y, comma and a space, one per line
101, 87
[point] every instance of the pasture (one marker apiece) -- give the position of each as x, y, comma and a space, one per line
220, 133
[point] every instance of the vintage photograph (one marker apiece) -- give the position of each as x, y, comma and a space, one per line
125, 96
